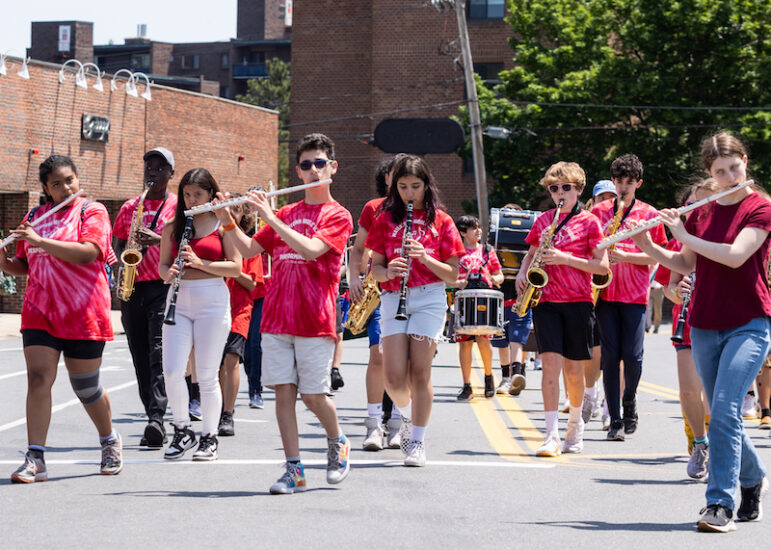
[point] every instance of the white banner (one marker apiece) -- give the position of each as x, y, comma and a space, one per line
287, 13
64, 38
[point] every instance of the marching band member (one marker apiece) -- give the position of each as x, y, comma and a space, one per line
413, 264
66, 311
564, 317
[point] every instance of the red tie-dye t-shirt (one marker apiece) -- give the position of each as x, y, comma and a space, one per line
66, 300
369, 213
579, 237
151, 256
241, 300
301, 296
441, 241
630, 282
475, 259
662, 277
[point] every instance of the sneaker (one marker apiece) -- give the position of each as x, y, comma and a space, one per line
765, 423
697, 464
574, 438
405, 435
550, 447
537, 364
466, 393
587, 407
716, 519
33, 469
195, 410
416, 454
256, 402
630, 416
751, 508
226, 427
183, 439
505, 386
393, 438
155, 435
489, 386
373, 441
749, 406
112, 456
597, 410
293, 480
518, 381
336, 379
605, 423
207, 449
338, 464
616, 431
565, 406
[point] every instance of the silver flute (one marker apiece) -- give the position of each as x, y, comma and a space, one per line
11, 238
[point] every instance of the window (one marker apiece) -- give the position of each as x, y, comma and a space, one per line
140, 61
225, 92
489, 72
486, 9
191, 61
224, 61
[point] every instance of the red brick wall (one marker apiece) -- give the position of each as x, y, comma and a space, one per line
45, 41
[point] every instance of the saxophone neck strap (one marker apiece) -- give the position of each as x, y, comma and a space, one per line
563, 223
626, 212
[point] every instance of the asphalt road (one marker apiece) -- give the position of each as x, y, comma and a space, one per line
482, 486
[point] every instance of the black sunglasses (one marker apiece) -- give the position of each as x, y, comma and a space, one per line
565, 187
318, 163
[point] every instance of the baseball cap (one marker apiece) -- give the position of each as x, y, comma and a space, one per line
604, 186
161, 152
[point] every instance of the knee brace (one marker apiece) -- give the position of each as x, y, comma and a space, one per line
87, 387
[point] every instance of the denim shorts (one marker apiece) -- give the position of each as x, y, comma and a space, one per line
373, 323
517, 329
426, 312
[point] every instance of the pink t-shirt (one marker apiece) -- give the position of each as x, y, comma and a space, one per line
630, 282
579, 237
301, 297
369, 212
441, 241
151, 256
725, 298
66, 300
241, 300
476, 258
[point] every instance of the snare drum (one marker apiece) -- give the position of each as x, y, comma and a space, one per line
479, 312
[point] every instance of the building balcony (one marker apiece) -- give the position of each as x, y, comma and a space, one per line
250, 70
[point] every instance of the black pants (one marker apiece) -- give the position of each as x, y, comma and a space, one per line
142, 318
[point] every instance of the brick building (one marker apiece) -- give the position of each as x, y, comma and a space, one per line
357, 63
42, 115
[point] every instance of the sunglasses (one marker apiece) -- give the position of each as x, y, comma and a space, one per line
320, 164
565, 187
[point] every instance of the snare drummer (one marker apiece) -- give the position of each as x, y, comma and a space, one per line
564, 318
478, 268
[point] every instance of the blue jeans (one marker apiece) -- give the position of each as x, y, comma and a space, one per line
728, 362
253, 352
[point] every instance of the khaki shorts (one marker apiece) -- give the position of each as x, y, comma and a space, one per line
304, 362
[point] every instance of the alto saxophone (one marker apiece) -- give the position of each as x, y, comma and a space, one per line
603, 281
132, 255
536, 276
361, 311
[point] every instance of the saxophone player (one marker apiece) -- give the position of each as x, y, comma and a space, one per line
564, 317
142, 313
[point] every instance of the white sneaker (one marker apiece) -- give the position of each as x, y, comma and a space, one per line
565, 406
393, 439
587, 407
373, 441
550, 447
504, 386
749, 406
416, 454
597, 410
574, 438
405, 435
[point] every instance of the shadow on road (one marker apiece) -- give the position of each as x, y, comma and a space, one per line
607, 526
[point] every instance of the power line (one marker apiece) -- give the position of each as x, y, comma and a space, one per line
636, 107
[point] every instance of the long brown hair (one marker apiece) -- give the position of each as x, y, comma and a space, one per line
203, 179
412, 165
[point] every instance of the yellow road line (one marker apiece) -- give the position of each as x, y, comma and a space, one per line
660, 388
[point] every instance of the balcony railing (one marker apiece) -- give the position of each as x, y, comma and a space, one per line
250, 70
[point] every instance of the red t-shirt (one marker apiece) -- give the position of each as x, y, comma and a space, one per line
302, 294
475, 259
262, 286
66, 300
725, 298
241, 300
579, 237
630, 282
662, 277
441, 241
151, 256
369, 212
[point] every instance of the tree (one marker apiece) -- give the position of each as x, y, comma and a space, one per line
598, 78
272, 92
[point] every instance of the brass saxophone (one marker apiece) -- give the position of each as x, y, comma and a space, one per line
602, 281
132, 255
361, 311
536, 276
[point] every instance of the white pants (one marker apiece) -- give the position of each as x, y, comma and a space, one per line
203, 323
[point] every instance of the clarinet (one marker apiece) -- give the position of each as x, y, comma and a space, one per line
678, 334
401, 311
186, 234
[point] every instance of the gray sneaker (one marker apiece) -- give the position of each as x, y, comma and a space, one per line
33, 469
112, 456
405, 435
338, 463
504, 386
716, 519
373, 441
697, 464
393, 439
416, 454
586, 408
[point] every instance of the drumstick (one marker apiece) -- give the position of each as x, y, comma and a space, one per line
8, 240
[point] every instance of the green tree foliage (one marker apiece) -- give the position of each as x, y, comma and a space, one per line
680, 54
272, 92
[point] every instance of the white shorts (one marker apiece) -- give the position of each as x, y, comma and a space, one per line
304, 362
426, 312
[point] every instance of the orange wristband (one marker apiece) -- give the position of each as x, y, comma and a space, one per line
229, 227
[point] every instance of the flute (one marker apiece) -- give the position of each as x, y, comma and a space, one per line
622, 235
11, 238
209, 207
170, 318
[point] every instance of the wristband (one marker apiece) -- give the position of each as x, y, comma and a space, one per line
229, 227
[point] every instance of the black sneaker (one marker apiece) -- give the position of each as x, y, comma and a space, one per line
183, 439
207, 449
336, 379
616, 431
518, 381
226, 427
489, 386
716, 519
155, 435
630, 416
466, 393
751, 508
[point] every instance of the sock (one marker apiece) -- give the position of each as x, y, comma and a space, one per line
406, 410
396, 414
418, 433
335, 439
506, 370
374, 410
551, 424
293, 459
575, 414
107, 438
704, 439
590, 392
38, 451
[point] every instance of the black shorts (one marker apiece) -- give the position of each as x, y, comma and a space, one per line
596, 334
236, 344
74, 349
567, 329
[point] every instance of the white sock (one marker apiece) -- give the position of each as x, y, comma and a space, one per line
374, 410
407, 411
591, 392
418, 433
552, 418
396, 413
575, 414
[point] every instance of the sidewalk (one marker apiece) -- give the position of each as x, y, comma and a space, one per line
10, 323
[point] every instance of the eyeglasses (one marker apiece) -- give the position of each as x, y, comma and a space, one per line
318, 163
565, 187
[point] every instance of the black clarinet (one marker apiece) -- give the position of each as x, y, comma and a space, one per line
678, 334
401, 311
183, 242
